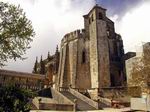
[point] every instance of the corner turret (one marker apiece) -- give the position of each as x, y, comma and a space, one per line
48, 57
42, 66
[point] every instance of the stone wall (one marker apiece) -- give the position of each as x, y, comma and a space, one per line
58, 107
63, 77
51, 104
83, 68
103, 54
73, 62
72, 69
93, 53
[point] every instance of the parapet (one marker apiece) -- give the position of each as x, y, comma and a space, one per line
73, 35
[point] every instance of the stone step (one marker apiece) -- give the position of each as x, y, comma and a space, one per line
81, 105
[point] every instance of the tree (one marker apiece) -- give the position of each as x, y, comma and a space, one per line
13, 99
16, 32
140, 73
35, 66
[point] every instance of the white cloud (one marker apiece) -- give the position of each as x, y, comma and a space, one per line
51, 20
135, 26
114, 18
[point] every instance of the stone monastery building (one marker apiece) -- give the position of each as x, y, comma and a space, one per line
89, 59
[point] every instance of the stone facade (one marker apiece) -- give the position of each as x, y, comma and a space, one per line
92, 57
89, 59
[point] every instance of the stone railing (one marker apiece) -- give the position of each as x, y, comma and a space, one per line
35, 102
60, 98
105, 101
21, 79
63, 89
84, 98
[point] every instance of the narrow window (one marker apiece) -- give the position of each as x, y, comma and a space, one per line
83, 57
115, 48
92, 18
112, 80
4, 78
100, 16
108, 33
89, 21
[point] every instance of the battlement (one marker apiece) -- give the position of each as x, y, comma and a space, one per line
73, 35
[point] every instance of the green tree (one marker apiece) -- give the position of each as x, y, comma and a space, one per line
16, 32
35, 66
13, 99
140, 73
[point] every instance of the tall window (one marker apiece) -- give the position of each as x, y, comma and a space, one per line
115, 48
112, 80
100, 16
83, 57
89, 21
92, 18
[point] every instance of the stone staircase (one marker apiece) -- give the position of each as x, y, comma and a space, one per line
50, 99
80, 104
71, 99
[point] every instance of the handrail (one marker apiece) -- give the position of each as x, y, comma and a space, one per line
63, 89
35, 102
106, 101
84, 98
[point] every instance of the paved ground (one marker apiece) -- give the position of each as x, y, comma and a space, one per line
105, 110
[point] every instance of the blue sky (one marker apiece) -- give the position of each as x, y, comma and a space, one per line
52, 19
118, 6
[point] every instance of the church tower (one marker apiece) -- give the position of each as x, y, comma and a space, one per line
91, 58
96, 31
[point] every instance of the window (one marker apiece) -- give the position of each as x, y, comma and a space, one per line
89, 21
112, 78
92, 18
100, 16
108, 33
83, 57
115, 48
4, 78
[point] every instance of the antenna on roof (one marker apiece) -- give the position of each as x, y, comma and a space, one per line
96, 2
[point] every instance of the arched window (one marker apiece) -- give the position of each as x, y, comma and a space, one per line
83, 57
100, 16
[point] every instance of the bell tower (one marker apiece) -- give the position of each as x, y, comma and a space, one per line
96, 28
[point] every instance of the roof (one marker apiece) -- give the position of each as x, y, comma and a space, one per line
21, 74
96, 6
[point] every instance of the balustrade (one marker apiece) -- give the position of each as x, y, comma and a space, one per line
22, 80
